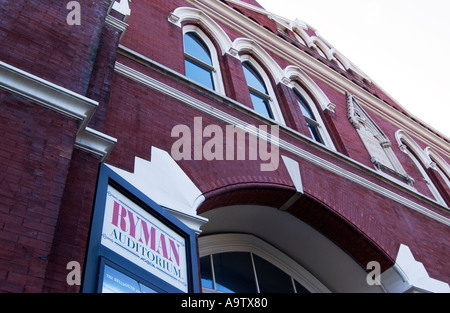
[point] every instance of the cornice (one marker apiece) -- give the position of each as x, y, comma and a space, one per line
46, 94
95, 142
61, 100
116, 24
271, 42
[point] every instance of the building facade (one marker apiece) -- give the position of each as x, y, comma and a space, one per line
290, 167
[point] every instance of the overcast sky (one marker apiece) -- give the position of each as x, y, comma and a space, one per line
402, 45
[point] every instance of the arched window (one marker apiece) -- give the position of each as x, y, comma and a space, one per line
310, 117
321, 47
201, 62
261, 92
339, 63
245, 272
258, 90
321, 52
198, 62
301, 35
441, 165
309, 95
413, 150
233, 262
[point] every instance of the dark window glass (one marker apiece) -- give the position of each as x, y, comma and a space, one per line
199, 74
258, 92
206, 272
270, 278
234, 272
311, 120
261, 105
299, 288
198, 62
313, 129
253, 78
194, 46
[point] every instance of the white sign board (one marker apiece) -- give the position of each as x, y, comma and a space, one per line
141, 238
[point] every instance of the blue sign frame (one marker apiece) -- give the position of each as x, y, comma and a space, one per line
100, 259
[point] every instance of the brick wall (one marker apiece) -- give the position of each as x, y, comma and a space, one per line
36, 150
44, 220
36, 38
73, 224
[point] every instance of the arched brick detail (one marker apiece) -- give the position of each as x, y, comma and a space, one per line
318, 215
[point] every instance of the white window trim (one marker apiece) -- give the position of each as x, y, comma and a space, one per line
321, 127
301, 35
216, 73
407, 145
441, 165
273, 102
322, 49
341, 59
444, 177
183, 14
294, 72
220, 243
247, 46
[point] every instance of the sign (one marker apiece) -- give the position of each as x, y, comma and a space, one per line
117, 282
139, 237
135, 245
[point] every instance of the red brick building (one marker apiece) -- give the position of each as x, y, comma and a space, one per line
297, 172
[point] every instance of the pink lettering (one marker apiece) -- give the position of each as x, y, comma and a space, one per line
122, 215
149, 236
133, 225
162, 244
175, 251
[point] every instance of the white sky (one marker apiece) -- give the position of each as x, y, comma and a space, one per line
402, 45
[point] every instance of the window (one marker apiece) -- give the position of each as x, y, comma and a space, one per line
311, 120
408, 146
320, 51
245, 272
340, 63
201, 59
440, 165
258, 91
312, 97
301, 35
411, 153
198, 61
